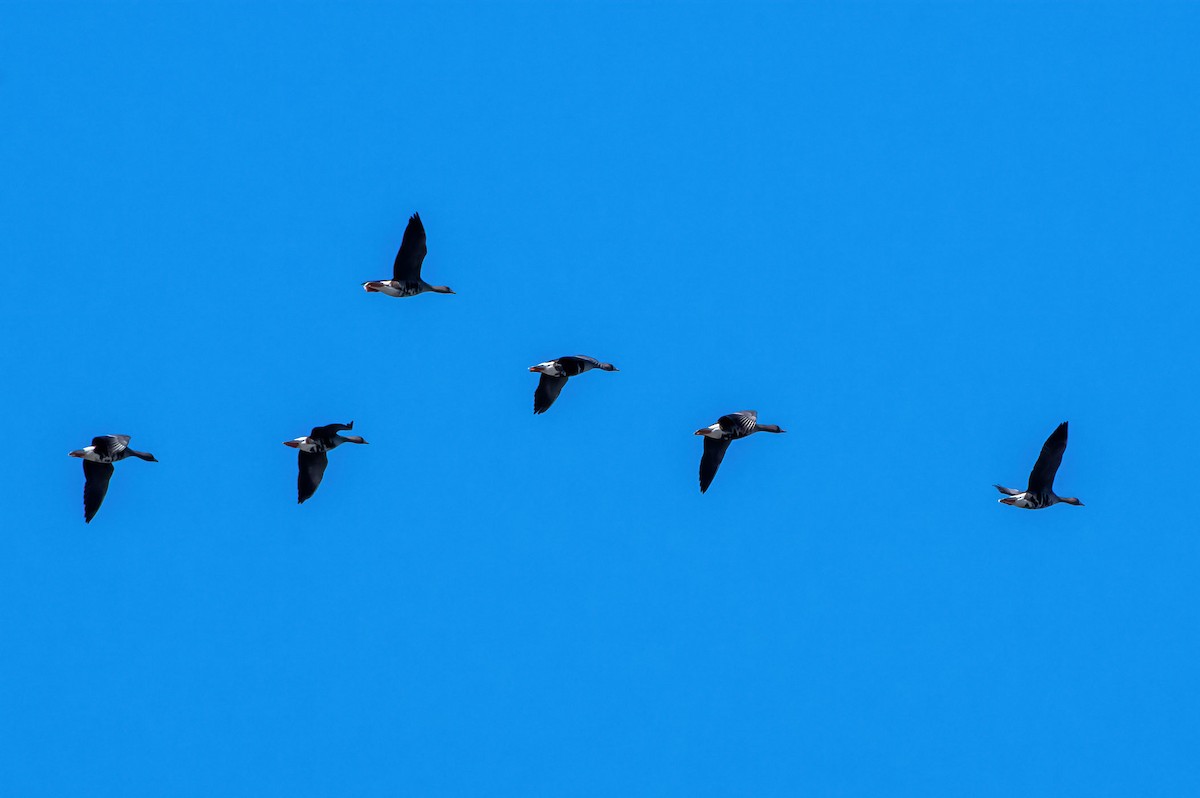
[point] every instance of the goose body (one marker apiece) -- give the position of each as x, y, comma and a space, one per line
555, 374
1039, 492
406, 270
718, 436
313, 458
98, 468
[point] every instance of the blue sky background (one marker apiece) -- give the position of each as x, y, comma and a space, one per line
916, 236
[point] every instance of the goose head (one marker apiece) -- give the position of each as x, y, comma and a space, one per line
550, 367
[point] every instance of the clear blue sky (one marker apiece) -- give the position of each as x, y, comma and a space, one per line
916, 236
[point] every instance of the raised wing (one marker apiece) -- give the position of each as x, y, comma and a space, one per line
407, 267
739, 425
95, 485
710, 461
109, 445
1042, 476
546, 392
329, 430
312, 469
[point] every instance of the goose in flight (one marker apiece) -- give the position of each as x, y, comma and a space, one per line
717, 438
406, 271
554, 377
98, 462
313, 457
1040, 490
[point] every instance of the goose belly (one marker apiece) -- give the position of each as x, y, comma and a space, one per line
393, 288
1027, 501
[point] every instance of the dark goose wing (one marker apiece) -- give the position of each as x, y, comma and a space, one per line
312, 468
739, 424
547, 391
407, 267
95, 486
109, 446
329, 430
1042, 476
710, 461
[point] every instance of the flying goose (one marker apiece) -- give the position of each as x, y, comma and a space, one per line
554, 377
313, 457
406, 271
1040, 490
98, 462
718, 436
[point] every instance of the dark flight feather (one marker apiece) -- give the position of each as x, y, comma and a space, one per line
1041, 478
95, 486
710, 461
312, 469
547, 391
411, 255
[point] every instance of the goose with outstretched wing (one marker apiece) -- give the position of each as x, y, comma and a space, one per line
98, 468
718, 436
313, 457
406, 270
555, 374
1039, 492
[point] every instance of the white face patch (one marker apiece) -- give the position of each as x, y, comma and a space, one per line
549, 367
714, 431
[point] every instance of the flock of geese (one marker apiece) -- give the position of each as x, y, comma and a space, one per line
313, 449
